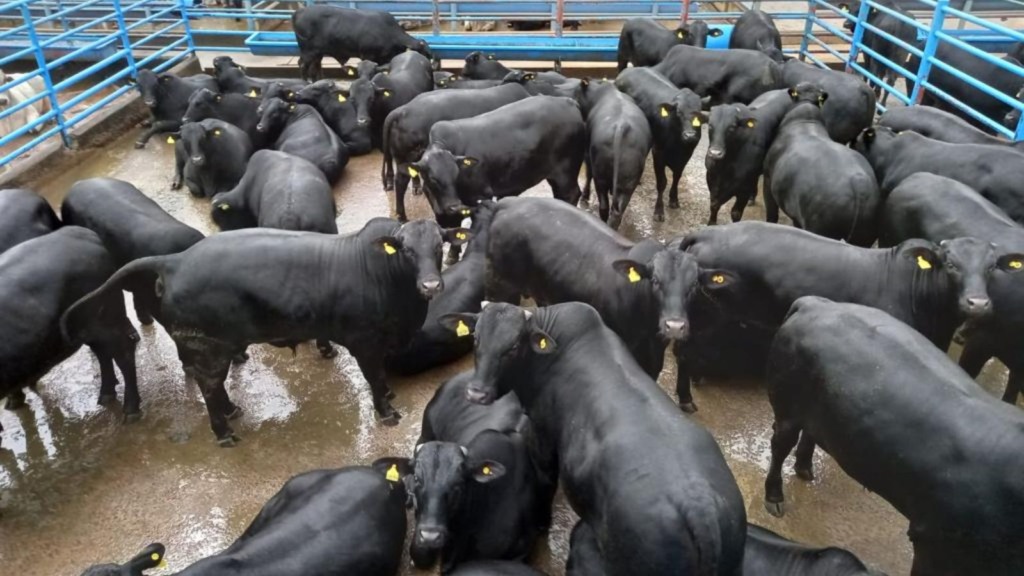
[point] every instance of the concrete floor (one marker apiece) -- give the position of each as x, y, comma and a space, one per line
78, 487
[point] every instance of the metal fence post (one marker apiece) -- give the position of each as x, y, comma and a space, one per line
858, 35
188, 28
45, 73
125, 40
685, 16
1019, 135
556, 25
929, 51
812, 10
435, 18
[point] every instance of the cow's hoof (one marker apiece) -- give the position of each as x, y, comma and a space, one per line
777, 509
140, 145
234, 414
15, 401
673, 203
417, 192
659, 216
132, 417
688, 407
145, 319
391, 420
175, 185
106, 399
229, 442
328, 352
804, 473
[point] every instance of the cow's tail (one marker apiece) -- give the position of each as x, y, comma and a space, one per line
76, 320
386, 167
704, 544
616, 158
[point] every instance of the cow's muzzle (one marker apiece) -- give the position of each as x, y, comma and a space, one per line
675, 329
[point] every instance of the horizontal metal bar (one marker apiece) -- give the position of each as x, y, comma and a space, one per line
984, 56
89, 70
96, 106
999, 128
975, 83
893, 39
993, 26
54, 131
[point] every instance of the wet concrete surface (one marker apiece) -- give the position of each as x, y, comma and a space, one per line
78, 487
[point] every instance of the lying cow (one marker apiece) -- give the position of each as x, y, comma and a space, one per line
572, 373
299, 130
344, 33
167, 96
339, 113
939, 209
214, 306
899, 417
210, 156
235, 109
293, 536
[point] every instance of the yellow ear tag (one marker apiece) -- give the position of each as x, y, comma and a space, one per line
414, 173
170, 139
696, 123
389, 249
679, 35
252, 93
461, 329
543, 344
750, 123
467, 162
486, 470
154, 556
460, 235
664, 112
923, 264
387, 93
224, 207
633, 275
341, 97
466, 211
1016, 264
350, 72
392, 475
718, 279
216, 132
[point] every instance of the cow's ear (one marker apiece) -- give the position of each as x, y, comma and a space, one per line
1011, 263
715, 279
822, 98
388, 244
413, 170
584, 82
705, 103
461, 324
223, 206
793, 93
342, 96
682, 33
490, 56
750, 122
383, 92
173, 137
541, 342
868, 135
349, 71
216, 132
466, 161
529, 77
666, 110
253, 93
472, 57
715, 32
291, 107
456, 236
217, 98
923, 256
632, 270
484, 471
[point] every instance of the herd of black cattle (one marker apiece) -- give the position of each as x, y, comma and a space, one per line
850, 339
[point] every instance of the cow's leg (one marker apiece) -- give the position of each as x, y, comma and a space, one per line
974, 357
784, 438
15, 399
1014, 385
108, 378
372, 365
120, 347
660, 181
454, 252
673, 190
401, 185
158, 126
683, 390
207, 363
804, 467
325, 348
566, 188
179, 168
143, 304
417, 186
739, 206
716, 205
771, 208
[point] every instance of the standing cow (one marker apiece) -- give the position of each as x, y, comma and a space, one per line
645, 42
724, 76
755, 30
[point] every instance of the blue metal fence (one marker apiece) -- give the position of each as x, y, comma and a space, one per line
117, 37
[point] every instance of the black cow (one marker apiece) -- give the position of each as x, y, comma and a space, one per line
938, 209
279, 90
235, 109
769, 553
441, 78
1012, 118
911, 281
343, 33
541, 138
292, 535
899, 417
407, 129
131, 225
151, 557
893, 52
739, 140
850, 107
433, 345
232, 79
477, 492
755, 30
210, 156
167, 97
338, 112
675, 118
996, 172
573, 374
823, 186
645, 42
39, 280
24, 215
938, 125
495, 568
458, 82
481, 67
546, 83
642, 291
367, 291
726, 76
298, 129
409, 76
618, 142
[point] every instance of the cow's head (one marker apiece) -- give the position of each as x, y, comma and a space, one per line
364, 94
851, 7
673, 277
276, 90
483, 67
443, 473
970, 263
687, 109
203, 104
808, 92
505, 335
593, 89
149, 86
439, 170
728, 122
195, 136
419, 243
152, 556
696, 33
229, 212
274, 114
769, 49
874, 140
422, 47
225, 63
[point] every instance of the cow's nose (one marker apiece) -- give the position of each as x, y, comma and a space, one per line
675, 329
197, 160
260, 128
430, 288
715, 152
430, 536
362, 121
978, 305
475, 395
150, 103
690, 135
